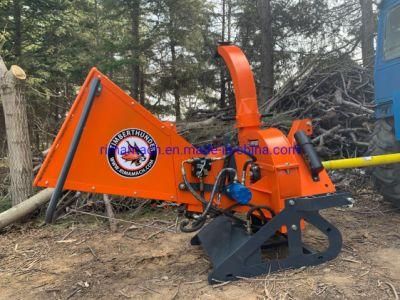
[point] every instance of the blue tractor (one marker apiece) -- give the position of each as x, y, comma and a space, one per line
386, 136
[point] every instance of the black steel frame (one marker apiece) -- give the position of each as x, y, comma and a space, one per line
236, 253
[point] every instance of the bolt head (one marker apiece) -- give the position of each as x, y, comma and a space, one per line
351, 202
294, 227
292, 202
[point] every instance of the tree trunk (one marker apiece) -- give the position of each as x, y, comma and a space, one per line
135, 65
17, 29
229, 20
142, 94
367, 33
3, 139
266, 88
19, 149
176, 91
222, 100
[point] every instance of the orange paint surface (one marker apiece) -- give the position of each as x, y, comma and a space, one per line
116, 154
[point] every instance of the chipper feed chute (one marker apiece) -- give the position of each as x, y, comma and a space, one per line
259, 194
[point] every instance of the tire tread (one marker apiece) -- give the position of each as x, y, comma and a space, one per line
386, 178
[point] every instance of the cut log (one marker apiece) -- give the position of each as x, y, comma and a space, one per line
26, 207
16, 121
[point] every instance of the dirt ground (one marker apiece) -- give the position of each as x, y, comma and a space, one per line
81, 258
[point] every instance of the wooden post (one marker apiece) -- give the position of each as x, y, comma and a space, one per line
19, 149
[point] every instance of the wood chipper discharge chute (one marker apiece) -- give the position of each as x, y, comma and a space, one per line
257, 195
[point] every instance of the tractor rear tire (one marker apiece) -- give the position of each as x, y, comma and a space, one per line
386, 178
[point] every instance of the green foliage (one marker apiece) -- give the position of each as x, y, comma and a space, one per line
171, 54
5, 204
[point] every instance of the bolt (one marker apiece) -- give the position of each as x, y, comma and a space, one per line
351, 202
182, 186
292, 202
93, 187
47, 182
172, 197
135, 193
294, 227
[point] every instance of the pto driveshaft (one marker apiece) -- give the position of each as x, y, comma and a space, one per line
362, 162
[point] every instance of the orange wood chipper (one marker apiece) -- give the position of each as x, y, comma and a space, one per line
240, 200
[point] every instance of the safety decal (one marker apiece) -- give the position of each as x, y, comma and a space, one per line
132, 153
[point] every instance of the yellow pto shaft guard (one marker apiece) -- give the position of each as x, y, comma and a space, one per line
362, 162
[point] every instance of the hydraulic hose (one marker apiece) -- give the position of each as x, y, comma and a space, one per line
244, 170
259, 209
253, 158
229, 156
200, 221
189, 186
216, 185
196, 225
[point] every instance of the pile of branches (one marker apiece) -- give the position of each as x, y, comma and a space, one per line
336, 94
338, 97
210, 127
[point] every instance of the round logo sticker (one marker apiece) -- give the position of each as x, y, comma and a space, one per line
132, 153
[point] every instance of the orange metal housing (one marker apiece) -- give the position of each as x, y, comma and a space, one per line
284, 171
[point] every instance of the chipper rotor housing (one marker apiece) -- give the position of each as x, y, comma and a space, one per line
267, 188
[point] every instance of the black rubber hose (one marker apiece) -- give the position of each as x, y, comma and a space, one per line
235, 150
199, 223
196, 225
260, 208
190, 188
228, 158
215, 187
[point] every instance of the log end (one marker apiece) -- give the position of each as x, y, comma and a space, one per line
18, 72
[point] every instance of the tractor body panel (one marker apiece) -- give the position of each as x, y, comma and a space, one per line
387, 64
